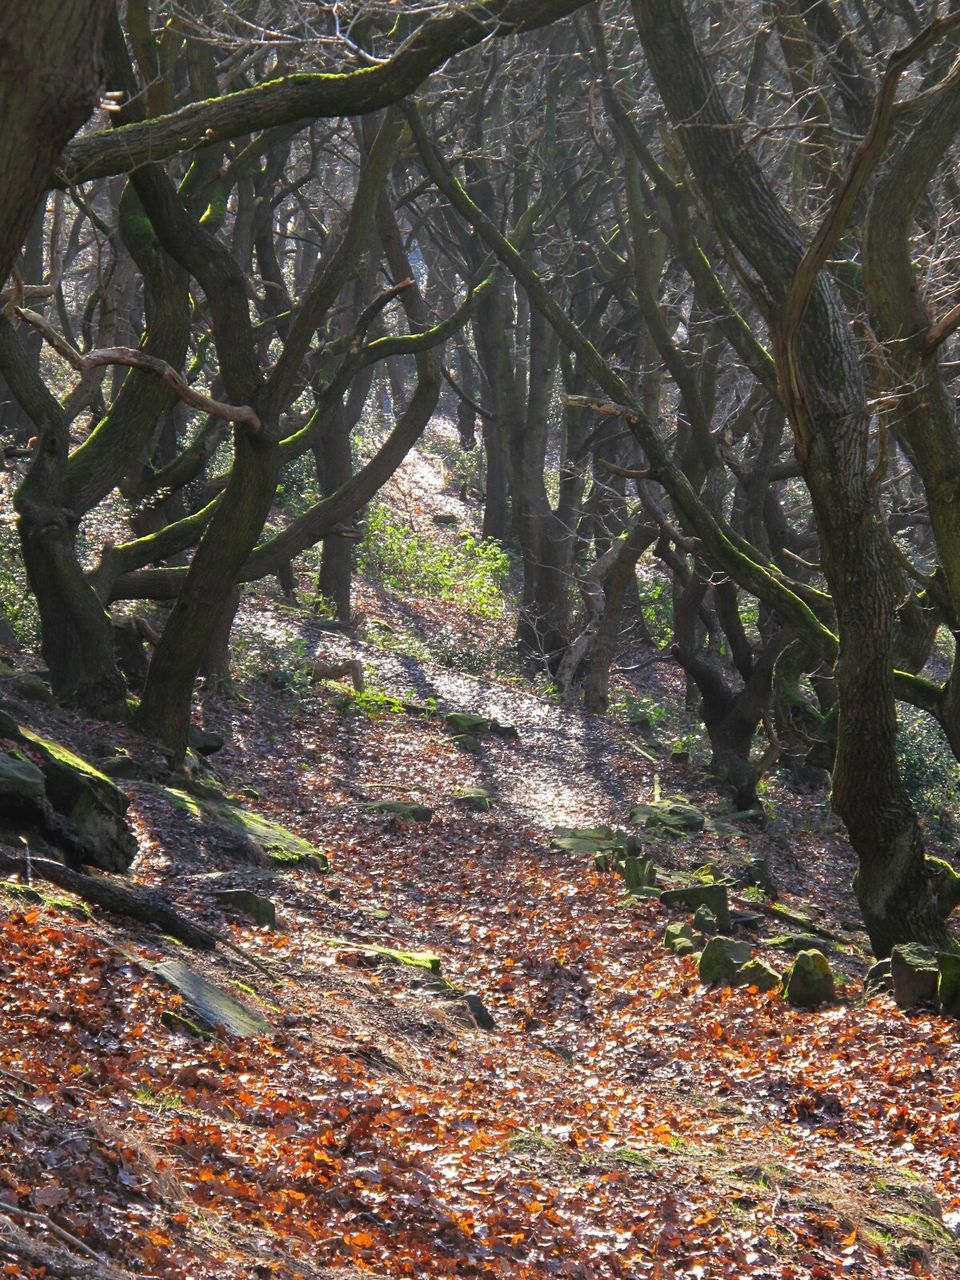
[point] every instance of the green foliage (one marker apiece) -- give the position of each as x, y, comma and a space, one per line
928, 766
656, 603
17, 601
471, 574
374, 703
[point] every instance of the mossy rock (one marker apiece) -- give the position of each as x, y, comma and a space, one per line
756, 973
402, 810
211, 1005
674, 816
879, 978
681, 938
796, 942
809, 981
93, 806
467, 742
711, 873
916, 976
721, 959
22, 788
122, 766
705, 921
261, 910
463, 722
477, 799
638, 873
587, 840
713, 896
945, 883
253, 837
948, 988
25, 685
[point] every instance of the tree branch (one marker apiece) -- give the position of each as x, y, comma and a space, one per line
242, 415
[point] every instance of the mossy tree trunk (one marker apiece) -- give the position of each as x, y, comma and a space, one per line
831, 422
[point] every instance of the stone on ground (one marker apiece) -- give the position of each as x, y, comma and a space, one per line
916, 976
720, 960
809, 980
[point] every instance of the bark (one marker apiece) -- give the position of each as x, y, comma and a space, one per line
826, 399
293, 98
76, 637
50, 82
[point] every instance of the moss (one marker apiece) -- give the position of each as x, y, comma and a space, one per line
414, 959
62, 755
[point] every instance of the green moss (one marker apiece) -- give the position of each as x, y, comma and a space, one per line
414, 959
62, 755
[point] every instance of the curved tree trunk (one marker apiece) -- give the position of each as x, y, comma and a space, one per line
826, 398
50, 82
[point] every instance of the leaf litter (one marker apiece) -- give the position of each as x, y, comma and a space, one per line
618, 1120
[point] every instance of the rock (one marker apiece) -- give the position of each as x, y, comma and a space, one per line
674, 816
212, 1005
879, 978
445, 518
796, 942
705, 921
755, 973
94, 808
22, 789
713, 896
682, 938
948, 990
584, 840
463, 722
402, 810
745, 919
809, 980
467, 742
205, 744
260, 910
126, 768
638, 873
478, 799
28, 687
945, 883
720, 960
481, 1014
916, 976
251, 837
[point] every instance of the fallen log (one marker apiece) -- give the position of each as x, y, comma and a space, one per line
145, 907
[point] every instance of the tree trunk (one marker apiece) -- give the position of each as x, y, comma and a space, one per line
50, 84
826, 400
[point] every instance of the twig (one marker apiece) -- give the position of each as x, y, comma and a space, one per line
61, 1233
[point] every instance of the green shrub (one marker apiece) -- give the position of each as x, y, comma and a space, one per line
471, 573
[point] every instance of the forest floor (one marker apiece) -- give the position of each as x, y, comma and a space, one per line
563, 1100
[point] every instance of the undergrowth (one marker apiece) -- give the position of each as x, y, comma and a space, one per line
472, 573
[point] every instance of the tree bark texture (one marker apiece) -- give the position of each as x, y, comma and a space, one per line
50, 81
